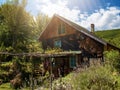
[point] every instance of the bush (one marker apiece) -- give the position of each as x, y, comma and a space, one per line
6, 66
4, 71
112, 58
61, 85
93, 78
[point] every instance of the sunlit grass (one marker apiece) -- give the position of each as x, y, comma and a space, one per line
6, 86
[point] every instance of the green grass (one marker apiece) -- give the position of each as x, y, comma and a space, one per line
111, 36
6, 86
115, 33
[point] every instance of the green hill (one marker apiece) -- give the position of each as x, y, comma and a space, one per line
111, 36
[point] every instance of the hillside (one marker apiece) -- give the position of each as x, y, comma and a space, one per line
111, 36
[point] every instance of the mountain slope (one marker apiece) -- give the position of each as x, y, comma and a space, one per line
111, 36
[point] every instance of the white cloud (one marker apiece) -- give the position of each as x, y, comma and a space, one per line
60, 7
103, 18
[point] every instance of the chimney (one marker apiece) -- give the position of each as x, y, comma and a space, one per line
92, 28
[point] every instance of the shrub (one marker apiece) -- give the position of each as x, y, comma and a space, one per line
61, 85
5, 66
93, 78
112, 58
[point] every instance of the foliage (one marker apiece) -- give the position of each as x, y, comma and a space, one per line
93, 78
113, 59
53, 50
26, 66
62, 85
4, 71
34, 46
19, 31
41, 22
10, 68
5, 66
19, 28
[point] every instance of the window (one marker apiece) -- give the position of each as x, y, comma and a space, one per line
61, 29
72, 61
57, 43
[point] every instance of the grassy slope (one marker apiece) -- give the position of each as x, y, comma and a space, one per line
108, 34
112, 36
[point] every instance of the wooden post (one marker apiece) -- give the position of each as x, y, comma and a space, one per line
51, 62
51, 74
32, 82
0, 61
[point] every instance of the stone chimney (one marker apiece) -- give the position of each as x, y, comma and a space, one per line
92, 28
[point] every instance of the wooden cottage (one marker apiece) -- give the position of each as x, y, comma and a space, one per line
64, 34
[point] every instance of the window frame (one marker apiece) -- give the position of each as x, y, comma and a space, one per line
56, 41
61, 28
72, 60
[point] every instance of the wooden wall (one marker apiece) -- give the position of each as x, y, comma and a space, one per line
52, 29
76, 42
71, 40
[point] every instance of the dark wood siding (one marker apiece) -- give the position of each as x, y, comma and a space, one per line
76, 42
69, 42
71, 39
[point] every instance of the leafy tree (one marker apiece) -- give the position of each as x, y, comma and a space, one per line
41, 22
16, 27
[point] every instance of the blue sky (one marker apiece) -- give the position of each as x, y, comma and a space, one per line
105, 14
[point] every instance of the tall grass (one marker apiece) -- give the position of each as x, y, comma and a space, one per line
103, 77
